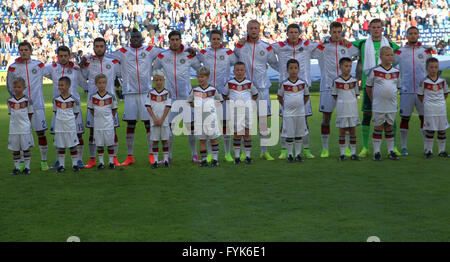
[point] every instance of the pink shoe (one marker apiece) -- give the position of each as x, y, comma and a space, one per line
195, 159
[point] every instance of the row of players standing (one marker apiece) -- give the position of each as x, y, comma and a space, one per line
135, 64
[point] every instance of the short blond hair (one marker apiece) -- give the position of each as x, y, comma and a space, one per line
203, 71
100, 76
158, 72
383, 49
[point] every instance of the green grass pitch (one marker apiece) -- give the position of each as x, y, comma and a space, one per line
318, 200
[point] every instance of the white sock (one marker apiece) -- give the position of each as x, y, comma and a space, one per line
325, 139
389, 136
44, 150
80, 152
155, 151
376, 140
27, 160
404, 137
306, 141
227, 143
149, 143
171, 138
248, 148
101, 153
166, 152
130, 143
290, 147
283, 143
441, 142
298, 146
347, 139
215, 151
261, 144
353, 145
342, 145
237, 148
208, 147
192, 144
62, 159
16, 159
92, 149
74, 156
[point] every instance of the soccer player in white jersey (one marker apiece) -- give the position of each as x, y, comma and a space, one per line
92, 66
345, 91
176, 63
136, 66
242, 95
103, 107
411, 59
293, 95
329, 55
256, 55
383, 83
54, 71
204, 99
219, 60
32, 72
158, 105
66, 109
433, 91
20, 109
302, 51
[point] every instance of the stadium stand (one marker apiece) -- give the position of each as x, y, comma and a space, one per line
48, 24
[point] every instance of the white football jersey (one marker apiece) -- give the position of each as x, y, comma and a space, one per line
103, 107
55, 71
243, 90
158, 101
293, 94
204, 100
19, 109
385, 84
65, 110
346, 91
107, 66
434, 96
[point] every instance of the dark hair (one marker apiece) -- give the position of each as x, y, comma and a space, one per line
66, 80
344, 59
135, 30
99, 39
26, 43
431, 60
292, 61
175, 32
63, 48
294, 26
215, 31
376, 20
335, 24
239, 63
412, 27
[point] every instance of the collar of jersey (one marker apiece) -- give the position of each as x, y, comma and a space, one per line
298, 42
179, 51
250, 41
419, 44
17, 99
20, 60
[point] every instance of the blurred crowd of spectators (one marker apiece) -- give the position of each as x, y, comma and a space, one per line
77, 23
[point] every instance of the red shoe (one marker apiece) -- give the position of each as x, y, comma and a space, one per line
195, 159
116, 162
91, 163
128, 161
151, 159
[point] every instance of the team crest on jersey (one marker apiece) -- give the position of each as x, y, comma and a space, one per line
69, 71
346, 86
143, 55
435, 87
158, 99
301, 49
222, 57
182, 61
388, 76
420, 56
342, 51
295, 88
63, 105
101, 103
239, 88
34, 71
262, 53
17, 106
108, 66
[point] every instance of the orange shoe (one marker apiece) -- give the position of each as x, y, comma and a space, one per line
91, 163
151, 159
116, 162
128, 161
